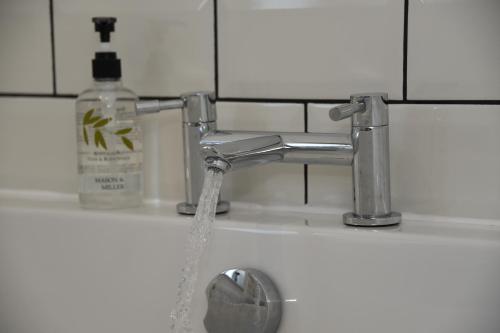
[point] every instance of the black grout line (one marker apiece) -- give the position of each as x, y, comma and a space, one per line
306, 167
448, 101
275, 100
52, 47
306, 184
47, 95
36, 95
216, 50
340, 101
281, 100
306, 118
405, 51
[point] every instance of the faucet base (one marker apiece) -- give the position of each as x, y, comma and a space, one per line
360, 221
185, 208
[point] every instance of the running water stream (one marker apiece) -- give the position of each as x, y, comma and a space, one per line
197, 242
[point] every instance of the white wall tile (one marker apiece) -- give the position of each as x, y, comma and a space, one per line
25, 52
271, 184
443, 161
163, 156
166, 47
454, 49
38, 144
310, 49
328, 185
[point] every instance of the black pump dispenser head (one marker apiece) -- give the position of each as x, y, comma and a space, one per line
105, 65
105, 26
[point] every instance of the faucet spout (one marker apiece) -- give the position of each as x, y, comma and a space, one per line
241, 151
227, 150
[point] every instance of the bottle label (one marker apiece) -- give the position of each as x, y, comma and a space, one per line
126, 182
109, 149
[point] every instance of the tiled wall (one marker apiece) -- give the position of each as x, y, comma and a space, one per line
275, 65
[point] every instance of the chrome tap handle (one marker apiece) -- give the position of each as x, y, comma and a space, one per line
346, 110
155, 105
198, 119
197, 107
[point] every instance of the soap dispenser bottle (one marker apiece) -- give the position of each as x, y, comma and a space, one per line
108, 136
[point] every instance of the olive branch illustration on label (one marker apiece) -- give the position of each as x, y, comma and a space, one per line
98, 123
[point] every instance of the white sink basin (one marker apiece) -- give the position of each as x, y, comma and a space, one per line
67, 270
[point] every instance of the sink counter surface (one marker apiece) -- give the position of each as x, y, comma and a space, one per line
68, 270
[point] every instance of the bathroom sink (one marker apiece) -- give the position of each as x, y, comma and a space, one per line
68, 270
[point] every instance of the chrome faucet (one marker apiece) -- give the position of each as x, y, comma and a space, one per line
366, 149
198, 119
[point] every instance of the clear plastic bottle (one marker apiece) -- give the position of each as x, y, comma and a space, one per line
109, 147
109, 139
